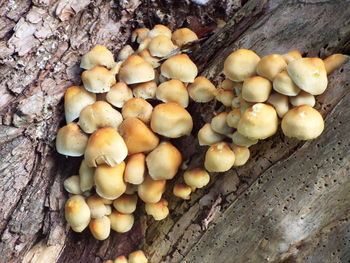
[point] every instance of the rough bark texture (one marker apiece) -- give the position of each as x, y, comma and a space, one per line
290, 203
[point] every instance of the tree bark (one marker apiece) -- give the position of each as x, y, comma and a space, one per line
289, 203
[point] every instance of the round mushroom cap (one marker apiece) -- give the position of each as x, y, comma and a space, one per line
291, 55
99, 115
146, 55
219, 158
125, 52
303, 122
241, 65
196, 178
105, 146
233, 118
183, 191
171, 120
179, 67
207, 136
161, 46
97, 207
309, 74
75, 99
164, 161
135, 70
269, 66
86, 175
219, 124
158, 210
109, 181
121, 259
242, 155
71, 141
160, 30
256, 89
121, 223
119, 94
137, 108
144, 44
303, 98
284, 84
77, 213
173, 91
183, 36
145, 90
258, 122
98, 79
135, 168
139, 34
98, 56
100, 228
225, 96
280, 103
137, 136
125, 204
72, 185
241, 140
227, 84
202, 90
150, 191
334, 61
137, 257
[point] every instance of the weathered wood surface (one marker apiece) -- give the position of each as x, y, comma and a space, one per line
290, 203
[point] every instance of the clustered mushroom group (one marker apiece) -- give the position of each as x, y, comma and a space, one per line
124, 128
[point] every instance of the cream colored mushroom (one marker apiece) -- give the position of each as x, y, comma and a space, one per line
137, 108
207, 136
173, 91
135, 168
242, 155
280, 103
146, 55
182, 191
125, 204
179, 67
144, 44
145, 90
137, 257
270, 65
139, 34
233, 118
121, 223
100, 228
86, 175
97, 207
241, 140
183, 36
225, 96
159, 210
161, 46
98, 79
219, 158
256, 89
77, 213
284, 84
98, 56
334, 61
150, 191
227, 84
303, 98
243, 104
120, 259
71, 141
219, 124
196, 178
119, 94
125, 52
291, 55
160, 30
202, 90
72, 185
135, 70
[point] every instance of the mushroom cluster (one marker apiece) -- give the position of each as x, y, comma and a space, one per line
135, 257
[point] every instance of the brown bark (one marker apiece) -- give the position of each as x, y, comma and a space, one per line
288, 204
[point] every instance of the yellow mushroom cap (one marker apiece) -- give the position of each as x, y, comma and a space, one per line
121, 259
99, 115
183, 191
100, 228
86, 175
227, 84
225, 97
71, 141
144, 44
303, 122
258, 122
109, 181
161, 46
135, 70
241, 140
145, 90
105, 146
77, 213
292, 55
196, 178
241, 65
139, 34
242, 155
72, 185
98, 56
137, 136
137, 257
270, 65
146, 55
137, 108
179, 67
125, 204
207, 136
309, 74
75, 99
159, 30
219, 124
333, 62
167, 168
303, 98
98, 79
202, 90
233, 118
173, 91
97, 207
219, 158
150, 191
125, 52
135, 168
183, 36
256, 89
119, 94
284, 84
280, 103
121, 223
171, 120
158, 210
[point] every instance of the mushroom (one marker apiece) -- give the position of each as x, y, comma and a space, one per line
98, 79
196, 178
219, 124
98, 56
144, 44
258, 122
303, 98
173, 91
100, 228
121, 223
135, 70
139, 34
121, 259
309, 74
236, 101
227, 84
119, 94
137, 257
108, 210
167, 168
233, 118
109, 181
75, 99
280, 103
284, 84
99, 115
71, 141
219, 158
145, 90
116, 68
256, 89
158, 210
161, 46
183, 36
207, 136
72, 185
303, 122
243, 104
150, 191
146, 55
241, 140
137, 136
291, 55
77, 213
202, 90
97, 207
137, 108
179, 67
242, 154
171, 120
183, 191
86, 175
333, 62
160, 30
125, 204
270, 65
135, 168
125, 52
105, 146
225, 96
241, 65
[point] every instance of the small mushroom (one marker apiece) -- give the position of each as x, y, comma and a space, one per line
108, 210
72, 185
77, 213
280, 103
139, 34
179, 67
135, 70
137, 108
219, 158
121, 223
160, 30
242, 155
207, 136
233, 117
225, 96
71, 141
144, 44
97, 207
284, 84
182, 191
135, 168
291, 55
202, 90
150, 191
243, 104
98, 79
119, 94
86, 175
161, 46
145, 90
125, 52
256, 89
227, 84
137, 257
159, 210
219, 124
146, 55
121, 259
303, 98
196, 178
270, 65
173, 91
333, 62
183, 36
125, 204
241, 140
98, 56
100, 228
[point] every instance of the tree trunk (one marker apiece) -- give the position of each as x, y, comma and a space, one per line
289, 203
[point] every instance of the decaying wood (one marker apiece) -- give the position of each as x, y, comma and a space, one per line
288, 204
